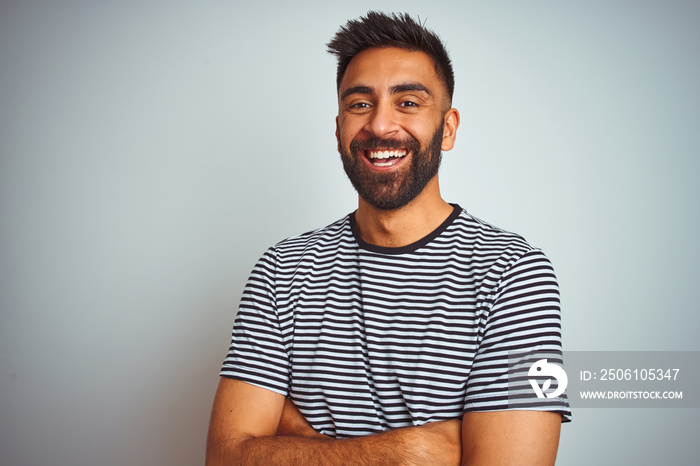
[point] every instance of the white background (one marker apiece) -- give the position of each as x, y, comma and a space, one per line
151, 151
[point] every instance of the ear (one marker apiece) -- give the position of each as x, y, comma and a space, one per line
337, 137
451, 120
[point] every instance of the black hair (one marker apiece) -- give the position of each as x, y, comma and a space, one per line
395, 30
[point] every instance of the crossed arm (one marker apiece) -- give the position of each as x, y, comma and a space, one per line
251, 425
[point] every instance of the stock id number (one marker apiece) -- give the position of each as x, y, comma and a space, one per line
639, 374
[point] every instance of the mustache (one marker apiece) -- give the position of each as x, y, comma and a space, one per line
411, 144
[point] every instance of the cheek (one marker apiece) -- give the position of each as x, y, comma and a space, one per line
345, 137
350, 126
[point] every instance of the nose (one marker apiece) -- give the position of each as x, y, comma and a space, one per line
382, 121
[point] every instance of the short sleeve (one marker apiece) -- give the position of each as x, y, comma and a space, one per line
524, 318
257, 354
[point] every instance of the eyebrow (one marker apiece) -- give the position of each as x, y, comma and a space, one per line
356, 90
410, 87
367, 90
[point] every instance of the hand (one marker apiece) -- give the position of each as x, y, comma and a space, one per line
293, 423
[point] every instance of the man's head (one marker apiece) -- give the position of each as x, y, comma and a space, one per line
394, 115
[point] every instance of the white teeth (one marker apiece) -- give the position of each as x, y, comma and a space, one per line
386, 154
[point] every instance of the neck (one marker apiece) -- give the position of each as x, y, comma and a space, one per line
405, 225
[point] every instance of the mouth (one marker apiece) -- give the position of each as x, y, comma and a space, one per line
385, 158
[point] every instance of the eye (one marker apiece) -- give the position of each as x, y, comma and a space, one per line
408, 104
359, 105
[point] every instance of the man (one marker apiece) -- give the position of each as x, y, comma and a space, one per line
384, 338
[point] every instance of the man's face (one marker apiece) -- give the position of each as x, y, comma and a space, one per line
390, 125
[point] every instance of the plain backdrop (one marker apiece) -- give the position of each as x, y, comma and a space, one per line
150, 151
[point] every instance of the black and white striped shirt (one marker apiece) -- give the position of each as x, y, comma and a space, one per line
366, 338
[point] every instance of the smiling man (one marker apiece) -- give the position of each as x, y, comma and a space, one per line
384, 337
393, 111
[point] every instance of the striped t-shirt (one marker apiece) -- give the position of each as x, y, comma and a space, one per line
366, 338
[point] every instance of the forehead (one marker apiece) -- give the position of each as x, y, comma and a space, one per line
382, 68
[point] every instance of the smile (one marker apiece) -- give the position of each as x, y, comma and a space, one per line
385, 158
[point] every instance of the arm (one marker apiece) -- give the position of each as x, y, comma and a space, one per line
488, 438
526, 438
524, 321
245, 419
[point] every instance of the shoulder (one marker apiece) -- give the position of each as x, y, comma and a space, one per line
487, 240
301, 251
482, 232
336, 235
494, 254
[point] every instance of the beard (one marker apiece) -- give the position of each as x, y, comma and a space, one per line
394, 189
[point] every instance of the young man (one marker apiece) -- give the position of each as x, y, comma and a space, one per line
384, 338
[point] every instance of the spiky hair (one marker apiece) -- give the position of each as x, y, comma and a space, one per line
396, 30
